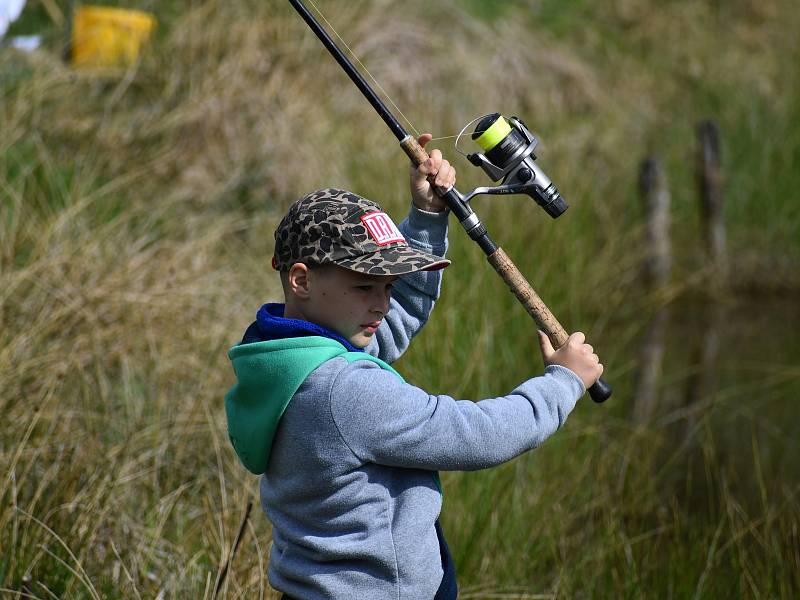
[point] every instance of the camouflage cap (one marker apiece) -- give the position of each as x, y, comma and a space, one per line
338, 227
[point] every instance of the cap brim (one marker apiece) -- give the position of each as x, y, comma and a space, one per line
393, 261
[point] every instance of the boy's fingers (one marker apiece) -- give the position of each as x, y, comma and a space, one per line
424, 139
444, 175
576, 339
432, 165
436, 158
545, 345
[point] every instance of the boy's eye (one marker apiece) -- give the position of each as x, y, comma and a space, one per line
370, 287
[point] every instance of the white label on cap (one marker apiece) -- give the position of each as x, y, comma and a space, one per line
382, 229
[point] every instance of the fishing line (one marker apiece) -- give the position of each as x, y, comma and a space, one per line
375, 81
444, 137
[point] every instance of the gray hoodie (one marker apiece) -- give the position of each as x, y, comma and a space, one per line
350, 481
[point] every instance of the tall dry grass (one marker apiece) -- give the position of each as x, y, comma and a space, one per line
137, 214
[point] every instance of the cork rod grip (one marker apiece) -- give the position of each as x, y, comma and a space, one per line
413, 150
599, 391
528, 297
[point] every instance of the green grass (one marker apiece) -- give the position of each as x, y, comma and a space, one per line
136, 220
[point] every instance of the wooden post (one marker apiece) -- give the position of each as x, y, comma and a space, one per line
702, 385
709, 182
655, 197
656, 270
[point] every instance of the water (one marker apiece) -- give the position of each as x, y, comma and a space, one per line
723, 378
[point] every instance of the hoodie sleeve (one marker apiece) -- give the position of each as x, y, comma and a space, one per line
413, 295
385, 421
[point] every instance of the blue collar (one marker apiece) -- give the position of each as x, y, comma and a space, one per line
272, 325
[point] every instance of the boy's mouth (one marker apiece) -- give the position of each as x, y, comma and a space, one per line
372, 326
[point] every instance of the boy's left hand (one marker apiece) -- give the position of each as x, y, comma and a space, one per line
435, 169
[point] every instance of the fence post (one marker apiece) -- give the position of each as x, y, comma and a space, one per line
656, 270
655, 197
709, 182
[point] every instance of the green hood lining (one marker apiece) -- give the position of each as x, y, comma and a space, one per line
269, 374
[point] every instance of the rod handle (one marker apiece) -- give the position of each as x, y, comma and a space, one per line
600, 391
451, 197
413, 150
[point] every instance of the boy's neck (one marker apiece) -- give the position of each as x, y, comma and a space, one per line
276, 321
292, 312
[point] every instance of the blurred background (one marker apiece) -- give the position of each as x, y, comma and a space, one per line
139, 194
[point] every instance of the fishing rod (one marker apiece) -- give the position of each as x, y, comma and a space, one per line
508, 155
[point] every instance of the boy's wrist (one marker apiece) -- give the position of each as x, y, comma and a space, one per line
436, 205
427, 230
567, 377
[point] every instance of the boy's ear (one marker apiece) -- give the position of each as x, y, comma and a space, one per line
299, 280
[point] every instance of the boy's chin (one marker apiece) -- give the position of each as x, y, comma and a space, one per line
360, 340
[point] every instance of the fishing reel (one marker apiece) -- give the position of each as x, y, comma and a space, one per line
508, 147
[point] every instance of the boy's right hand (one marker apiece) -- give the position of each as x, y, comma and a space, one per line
575, 355
435, 168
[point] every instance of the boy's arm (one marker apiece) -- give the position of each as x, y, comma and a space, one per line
425, 229
413, 295
386, 421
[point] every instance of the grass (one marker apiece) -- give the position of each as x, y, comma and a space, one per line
136, 214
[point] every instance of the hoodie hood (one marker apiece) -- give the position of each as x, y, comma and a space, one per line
275, 357
268, 375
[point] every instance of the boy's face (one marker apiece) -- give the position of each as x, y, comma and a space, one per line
351, 304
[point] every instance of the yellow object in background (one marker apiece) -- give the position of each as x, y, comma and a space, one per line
109, 37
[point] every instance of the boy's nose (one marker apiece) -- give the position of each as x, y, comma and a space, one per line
381, 301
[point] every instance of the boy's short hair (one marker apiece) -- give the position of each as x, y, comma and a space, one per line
338, 227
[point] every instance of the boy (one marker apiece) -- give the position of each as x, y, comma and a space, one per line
350, 452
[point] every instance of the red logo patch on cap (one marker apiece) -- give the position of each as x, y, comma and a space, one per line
382, 228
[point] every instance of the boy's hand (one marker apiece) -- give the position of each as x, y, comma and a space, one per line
575, 355
440, 171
